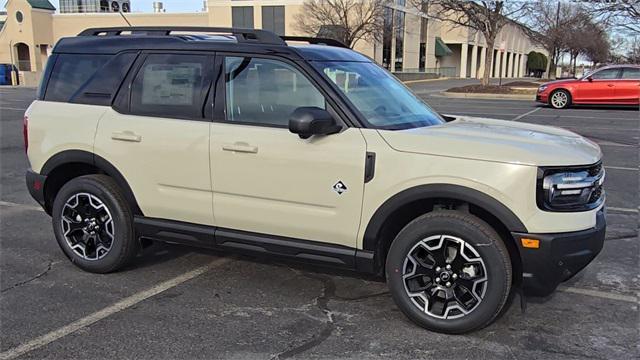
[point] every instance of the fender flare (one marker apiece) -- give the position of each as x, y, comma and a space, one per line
85, 157
435, 191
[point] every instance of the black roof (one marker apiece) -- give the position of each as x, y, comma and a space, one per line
115, 40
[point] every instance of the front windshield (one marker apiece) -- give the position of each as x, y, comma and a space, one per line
384, 101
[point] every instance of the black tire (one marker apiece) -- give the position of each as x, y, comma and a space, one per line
488, 246
123, 245
560, 93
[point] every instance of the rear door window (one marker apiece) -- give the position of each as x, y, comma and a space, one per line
172, 85
70, 73
631, 73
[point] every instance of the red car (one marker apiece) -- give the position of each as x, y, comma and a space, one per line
614, 85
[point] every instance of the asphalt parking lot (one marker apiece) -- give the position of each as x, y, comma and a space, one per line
178, 302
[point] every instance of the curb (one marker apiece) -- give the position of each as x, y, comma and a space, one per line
424, 80
531, 97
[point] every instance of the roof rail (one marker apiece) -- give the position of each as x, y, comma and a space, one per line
315, 40
241, 35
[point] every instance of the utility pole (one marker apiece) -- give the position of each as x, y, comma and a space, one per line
555, 54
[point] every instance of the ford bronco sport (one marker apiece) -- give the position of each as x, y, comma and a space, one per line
243, 140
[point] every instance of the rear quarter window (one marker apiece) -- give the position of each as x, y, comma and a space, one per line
70, 73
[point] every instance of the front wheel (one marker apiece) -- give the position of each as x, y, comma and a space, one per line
449, 271
560, 99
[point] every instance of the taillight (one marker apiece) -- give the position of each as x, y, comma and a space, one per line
25, 132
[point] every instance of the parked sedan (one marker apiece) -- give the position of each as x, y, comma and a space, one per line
614, 85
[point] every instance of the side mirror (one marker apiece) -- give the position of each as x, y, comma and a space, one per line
310, 120
589, 78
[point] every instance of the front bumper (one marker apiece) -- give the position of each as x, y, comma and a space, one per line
35, 185
559, 256
542, 97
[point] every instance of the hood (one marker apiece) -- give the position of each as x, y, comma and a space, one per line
558, 82
497, 140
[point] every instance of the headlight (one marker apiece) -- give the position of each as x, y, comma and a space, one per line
571, 189
542, 88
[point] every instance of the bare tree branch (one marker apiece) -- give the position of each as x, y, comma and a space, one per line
348, 21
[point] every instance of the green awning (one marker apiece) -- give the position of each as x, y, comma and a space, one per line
41, 4
441, 48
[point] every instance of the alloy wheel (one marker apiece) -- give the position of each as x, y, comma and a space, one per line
87, 226
445, 277
559, 99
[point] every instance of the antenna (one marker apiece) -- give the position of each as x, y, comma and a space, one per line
124, 17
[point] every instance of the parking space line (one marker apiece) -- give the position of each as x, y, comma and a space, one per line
11, 108
525, 114
21, 206
612, 208
621, 168
108, 311
601, 294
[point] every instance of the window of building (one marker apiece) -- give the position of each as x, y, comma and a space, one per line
273, 19
422, 55
399, 30
265, 91
170, 85
606, 74
242, 17
70, 73
19, 16
387, 38
630, 73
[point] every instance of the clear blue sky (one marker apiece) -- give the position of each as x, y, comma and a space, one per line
169, 5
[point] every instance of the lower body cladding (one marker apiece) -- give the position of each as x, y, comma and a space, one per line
556, 258
257, 244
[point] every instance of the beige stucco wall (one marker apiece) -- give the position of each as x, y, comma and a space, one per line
72, 24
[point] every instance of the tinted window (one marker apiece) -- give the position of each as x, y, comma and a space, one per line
605, 74
70, 72
266, 92
104, 84
631, 73
171, 86
273, 19
242, 17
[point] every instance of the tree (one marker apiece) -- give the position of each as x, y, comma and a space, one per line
486, 17
597, 47
537, 62
633, 56
623, 15
549, 22
347, 21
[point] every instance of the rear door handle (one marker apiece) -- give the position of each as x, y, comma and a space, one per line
242, 147
126, 136
610, 85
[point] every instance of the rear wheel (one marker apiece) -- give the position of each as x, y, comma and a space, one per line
560, 99
93, 224
449, 271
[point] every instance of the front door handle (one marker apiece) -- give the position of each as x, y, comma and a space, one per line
610, 85
242, 147
126, 136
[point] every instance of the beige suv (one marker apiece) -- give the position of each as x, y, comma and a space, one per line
235, 139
